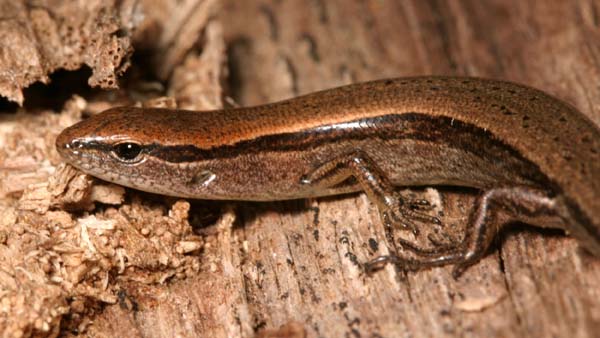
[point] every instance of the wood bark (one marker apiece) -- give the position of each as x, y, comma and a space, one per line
534, 283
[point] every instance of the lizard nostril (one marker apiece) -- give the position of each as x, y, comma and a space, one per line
75, 144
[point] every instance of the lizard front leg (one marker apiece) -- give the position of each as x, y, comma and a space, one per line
395, 210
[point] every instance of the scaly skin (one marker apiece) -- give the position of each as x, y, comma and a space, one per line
533, 155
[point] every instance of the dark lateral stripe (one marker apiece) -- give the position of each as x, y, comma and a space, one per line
390, 127
413, 126
400, 126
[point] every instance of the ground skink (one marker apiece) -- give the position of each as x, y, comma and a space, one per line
534, 158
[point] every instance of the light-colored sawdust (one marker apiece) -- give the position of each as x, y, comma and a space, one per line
69, 242
52, 259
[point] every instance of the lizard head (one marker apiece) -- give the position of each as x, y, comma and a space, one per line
137, 148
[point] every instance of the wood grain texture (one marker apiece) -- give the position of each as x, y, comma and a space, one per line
535, 283
298, 262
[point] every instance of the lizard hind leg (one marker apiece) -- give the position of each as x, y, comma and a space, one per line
493, 209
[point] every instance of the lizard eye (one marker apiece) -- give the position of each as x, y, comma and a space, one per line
127, 151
